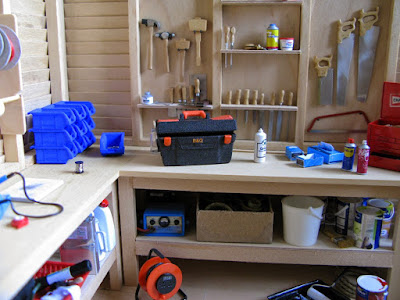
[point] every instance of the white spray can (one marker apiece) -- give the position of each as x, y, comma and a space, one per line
260, 146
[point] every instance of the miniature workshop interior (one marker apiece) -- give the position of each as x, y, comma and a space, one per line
199, 149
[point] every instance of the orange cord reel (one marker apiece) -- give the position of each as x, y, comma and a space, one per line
160, 278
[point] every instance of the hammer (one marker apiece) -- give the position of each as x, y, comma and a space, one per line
182, 46
198, 25
165, 36
150, 23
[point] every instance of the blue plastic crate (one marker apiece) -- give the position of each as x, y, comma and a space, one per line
112, 143
54, 138
55, 155
4, 205
52, 119
89, 122
82, 110
89, 105
80, 143
90, 138
80, 127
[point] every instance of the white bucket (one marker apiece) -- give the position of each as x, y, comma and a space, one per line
301, 219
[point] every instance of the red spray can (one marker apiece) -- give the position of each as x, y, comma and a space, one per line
363, 157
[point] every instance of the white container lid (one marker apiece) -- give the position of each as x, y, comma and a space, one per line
372, 283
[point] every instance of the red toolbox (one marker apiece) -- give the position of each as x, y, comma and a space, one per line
384, 133
196, 139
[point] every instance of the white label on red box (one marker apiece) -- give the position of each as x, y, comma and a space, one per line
394, 100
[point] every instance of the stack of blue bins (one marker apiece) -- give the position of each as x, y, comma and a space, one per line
62, 130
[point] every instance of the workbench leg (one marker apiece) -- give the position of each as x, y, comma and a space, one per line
14, 149
127, 214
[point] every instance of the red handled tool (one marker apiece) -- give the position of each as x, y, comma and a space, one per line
309, 129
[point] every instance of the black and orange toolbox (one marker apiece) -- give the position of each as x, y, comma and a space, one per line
196, 139
384, 133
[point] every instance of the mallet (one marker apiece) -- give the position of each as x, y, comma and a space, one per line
198, 25
150, 24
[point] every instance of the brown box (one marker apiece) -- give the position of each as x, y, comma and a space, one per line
235, 226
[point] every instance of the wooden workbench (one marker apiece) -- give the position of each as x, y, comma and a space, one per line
28, 248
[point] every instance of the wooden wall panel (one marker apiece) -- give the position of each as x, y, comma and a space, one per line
98, 61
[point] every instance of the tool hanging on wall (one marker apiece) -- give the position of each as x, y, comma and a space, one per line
325, 79
229, 100
227, 31
178, 95
246, 102
290, 103
191, 94
160, 278
182, 46
254, 102
237, 101
150, 24
367, 43
261, 113
271, 118
165, 36
279, 117
184, 95
198, 25
345, 40
233, 33
197, 92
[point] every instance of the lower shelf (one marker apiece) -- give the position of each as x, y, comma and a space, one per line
210, 280
324, 252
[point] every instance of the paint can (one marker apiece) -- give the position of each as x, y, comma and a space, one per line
367, 227
345, 215
286, 44
371, 287
349, 153
363, 158
272, 37
388, 212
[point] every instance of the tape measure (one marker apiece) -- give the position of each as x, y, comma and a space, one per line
160, 278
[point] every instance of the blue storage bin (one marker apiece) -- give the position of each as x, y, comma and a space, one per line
91, 109
82, 110
80, 127
52, 119
90, 138
54, 138
112, 143
89, 122
55, 155
4, 205
80, 143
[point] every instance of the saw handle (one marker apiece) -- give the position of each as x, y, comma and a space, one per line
337, 115
345, 29
194, 113
366, 25
322, 65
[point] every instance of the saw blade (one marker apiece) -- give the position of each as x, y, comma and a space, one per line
344, 57
325, 88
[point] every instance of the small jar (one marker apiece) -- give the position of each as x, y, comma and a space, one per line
286, 44
147, 98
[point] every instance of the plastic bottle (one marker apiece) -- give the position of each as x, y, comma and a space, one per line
106, 224
272, 37
363, 158
349, 153
260, 146
147, 98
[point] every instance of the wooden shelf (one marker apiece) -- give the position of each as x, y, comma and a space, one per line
258, 107
173, 105
260, 2
324, 252
265, 52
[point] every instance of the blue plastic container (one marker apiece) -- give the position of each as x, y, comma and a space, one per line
55, 155
49, 119
90, 138
112, 143
4, 205
54, 138
82, 110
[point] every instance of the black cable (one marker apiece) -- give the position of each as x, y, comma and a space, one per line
59, 206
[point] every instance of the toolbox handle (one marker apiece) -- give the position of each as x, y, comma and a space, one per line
194, 113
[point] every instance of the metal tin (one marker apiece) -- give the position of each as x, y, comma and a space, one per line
349, 153
345, 215
367, 227
79, 167
260, 146
363, 158
388, 212
371, 287
272, 37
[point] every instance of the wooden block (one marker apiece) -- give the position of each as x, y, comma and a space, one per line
36, 76
99, 85
108, 98
98, 73
96, 35
30, 48
95, 9
36, 90
112, 47
96, 22
29, 63
97, 61
29, 7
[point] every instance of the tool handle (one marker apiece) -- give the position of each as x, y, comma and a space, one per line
322, 65
150, 52
227, 29
178, 96
171, 95
238, 95
229, 97
184, 94
197, 87
272, 99
262, 99
183, 54
166, 55
197, 36
281, 97
246, 96
191, 92
366, 25
194, 113
337, 115
345, 29
233, 32
290, 99
255, 97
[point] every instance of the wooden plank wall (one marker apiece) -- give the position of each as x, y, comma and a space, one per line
34, 60
98, 60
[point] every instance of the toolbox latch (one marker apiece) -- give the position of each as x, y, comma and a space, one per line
227, 139
167, 141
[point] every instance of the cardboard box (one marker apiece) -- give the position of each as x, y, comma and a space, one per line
235, 226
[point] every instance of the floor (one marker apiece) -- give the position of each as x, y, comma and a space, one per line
205, 280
